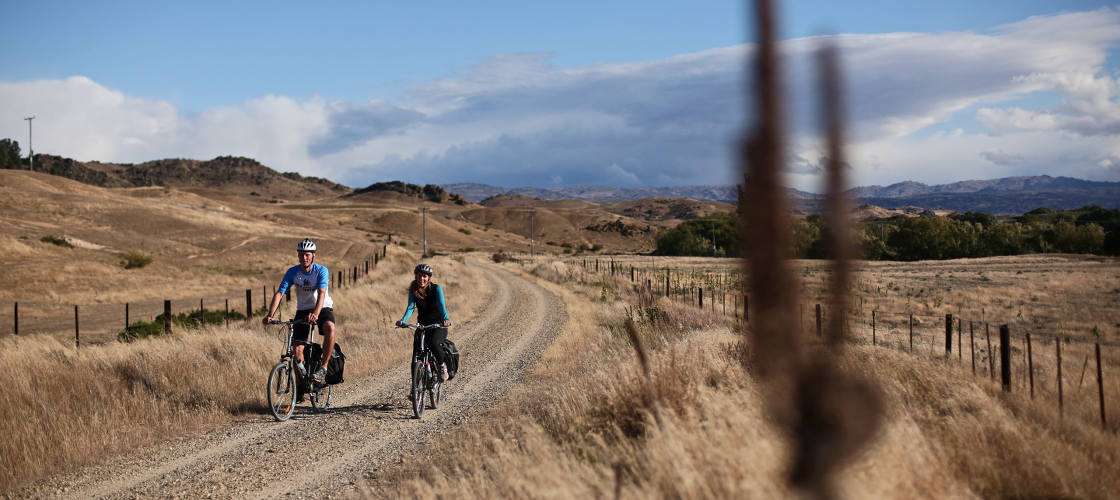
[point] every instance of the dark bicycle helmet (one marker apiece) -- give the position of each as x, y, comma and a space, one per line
423, 268
306, 246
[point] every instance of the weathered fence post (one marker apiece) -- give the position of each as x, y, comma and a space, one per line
1030, 365
1100, 386
1005, 357
700, 298
1058, 347
960, 346
631, 274
972, 346
201, 310
991, 358
873, 342
15, 319
376, 258
248, 303
746, 308
126, 317
667, 282
227, 312
948, 334
77, 343
818, 320
167, 317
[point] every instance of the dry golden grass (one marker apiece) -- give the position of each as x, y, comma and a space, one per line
589, 424
64, 407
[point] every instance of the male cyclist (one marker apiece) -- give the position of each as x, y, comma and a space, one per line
313, 304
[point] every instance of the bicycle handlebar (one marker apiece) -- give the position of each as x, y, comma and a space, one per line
290, 322
425, 327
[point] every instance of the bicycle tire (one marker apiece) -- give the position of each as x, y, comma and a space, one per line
435, 392
317, 397
418, 388
281, 391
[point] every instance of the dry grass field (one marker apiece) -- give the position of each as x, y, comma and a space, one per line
595, 421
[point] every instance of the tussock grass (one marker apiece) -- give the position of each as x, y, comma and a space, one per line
64, 407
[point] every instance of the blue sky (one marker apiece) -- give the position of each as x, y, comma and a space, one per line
560, 93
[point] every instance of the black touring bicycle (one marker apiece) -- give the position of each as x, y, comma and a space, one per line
287, 386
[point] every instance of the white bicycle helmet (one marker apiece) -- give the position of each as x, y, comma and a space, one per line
423, 268
306, 246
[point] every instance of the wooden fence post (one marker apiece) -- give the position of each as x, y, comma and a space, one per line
227, 312
991, 358
948, 334
77, 343
746, 308
167, 317
667, 282
960, 346
818, 320
1030, 365
248, 303
15, 319
873, 342
700, 298
126, 316
1058, 347
1005, 357
1100, 386
972, 345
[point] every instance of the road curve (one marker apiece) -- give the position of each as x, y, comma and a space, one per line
370, 426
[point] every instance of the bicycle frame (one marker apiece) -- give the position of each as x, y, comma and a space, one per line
429, 382
302, 383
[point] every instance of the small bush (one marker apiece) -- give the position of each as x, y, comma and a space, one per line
465, 231
55, 240
135, 260
499, 257
192, 320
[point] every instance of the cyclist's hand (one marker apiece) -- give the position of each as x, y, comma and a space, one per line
399, 324
446, 323
266, 320
312, 318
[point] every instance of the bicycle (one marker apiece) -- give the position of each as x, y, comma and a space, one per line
425, 375
285, 384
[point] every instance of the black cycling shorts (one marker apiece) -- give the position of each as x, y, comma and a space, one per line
300, 334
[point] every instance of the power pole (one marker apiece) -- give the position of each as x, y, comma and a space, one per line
532, 231
30, 147
425, 212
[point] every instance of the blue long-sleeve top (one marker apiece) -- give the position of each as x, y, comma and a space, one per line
432, 310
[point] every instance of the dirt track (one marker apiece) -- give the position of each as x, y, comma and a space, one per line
370, 426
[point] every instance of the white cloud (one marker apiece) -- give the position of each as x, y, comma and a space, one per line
517, 120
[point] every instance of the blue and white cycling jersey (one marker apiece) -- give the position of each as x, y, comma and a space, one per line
307, 286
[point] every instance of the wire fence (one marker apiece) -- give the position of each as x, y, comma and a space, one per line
1076, 374
100, 323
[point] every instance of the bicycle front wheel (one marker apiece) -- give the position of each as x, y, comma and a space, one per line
418, 388
434, 393
282, 391
321, 398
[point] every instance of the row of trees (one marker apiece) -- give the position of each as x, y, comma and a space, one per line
1090, 229
9, 155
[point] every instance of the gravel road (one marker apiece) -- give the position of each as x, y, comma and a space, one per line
370, 426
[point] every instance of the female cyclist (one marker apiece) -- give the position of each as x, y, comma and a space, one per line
426, 298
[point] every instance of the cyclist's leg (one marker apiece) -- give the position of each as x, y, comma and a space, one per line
299, 334
327, 328
435, 339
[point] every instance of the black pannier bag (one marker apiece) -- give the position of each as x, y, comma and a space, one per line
452, 358
314, 353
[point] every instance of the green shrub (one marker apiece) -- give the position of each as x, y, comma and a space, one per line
192, 320
465, 231
135, 260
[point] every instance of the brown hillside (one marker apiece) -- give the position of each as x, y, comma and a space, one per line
665, 209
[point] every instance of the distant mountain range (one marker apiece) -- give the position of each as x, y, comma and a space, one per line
1004, 196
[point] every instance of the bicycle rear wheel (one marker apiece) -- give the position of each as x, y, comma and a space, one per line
281, 391
418, 388
321, 398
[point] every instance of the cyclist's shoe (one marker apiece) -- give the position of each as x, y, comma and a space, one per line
320, 375
443, 372
301, 370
